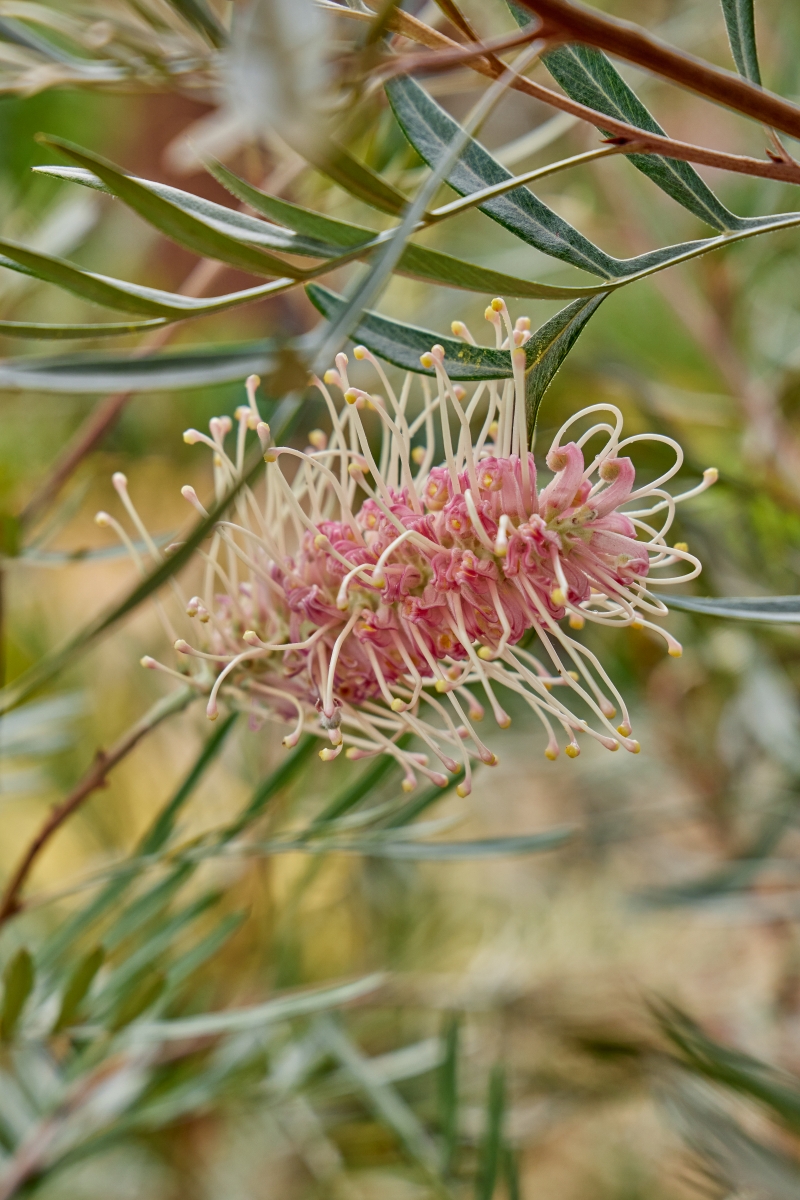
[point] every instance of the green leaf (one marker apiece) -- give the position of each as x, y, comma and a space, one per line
77, 988
282, 422
373, 847
511, 1173
490, 1158
274, 783
98, 373
448, 1093
239, 1020
587, 75
431, 130
45, 332
147, 907
206, 948
18, 980
778, 1090
142, 996
199, 16
161, 829
175, 222
131, 297
350, 796
356, 178
403, 344
237, 225
778, 610
550, 345
418, 262
740, 22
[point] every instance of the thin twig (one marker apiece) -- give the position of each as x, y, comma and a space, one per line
94, 778
628, 41
645, 141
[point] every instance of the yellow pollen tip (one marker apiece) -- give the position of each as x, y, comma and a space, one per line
634, 746
354, 470
576, 622
441, 685
212, 716
682, 546
485, 653
418, 455
351, 395
551, 754
463, 790
318, 439
558, 597
426, 359
615, 746
458, 328
624, 729
328, 753
637, 625
573, 675
524, 323
572, 751
330, 377
459, 392
360, 352
397, 705
271, 456
321, 542
493, 428
407, 785
675, 651
351, 752
711, 475
519, 358
504, 721
497, 305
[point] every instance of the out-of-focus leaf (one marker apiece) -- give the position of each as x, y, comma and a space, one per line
350, 796
283, 1008
448, 1094
197, 14
431, 130
137, 1000
44, 332
587, 75
511, 1173
173, 221
373, 847
738, 1164
146, 907
740, 22
381, 1096
490, 1159
778, 610
161, 829
18, 980
274, 783
778, 1090
356, 178
277, 73
168, 371
78, 986
186, 964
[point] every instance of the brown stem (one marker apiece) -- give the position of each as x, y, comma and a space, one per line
636, 45
94, 778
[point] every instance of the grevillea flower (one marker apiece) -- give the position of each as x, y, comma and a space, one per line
366, 598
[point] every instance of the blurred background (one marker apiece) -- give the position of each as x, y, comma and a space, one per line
676, 894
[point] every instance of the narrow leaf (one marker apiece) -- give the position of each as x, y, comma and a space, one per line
125, 371
551, 344
197, 14
448, 1094
356, 178
137, 1001
18, 979
283, 1008
778, 610
740, 22
372, 847
490, 1159
431, 130
175, 222
588, 76
44, 332
77, 988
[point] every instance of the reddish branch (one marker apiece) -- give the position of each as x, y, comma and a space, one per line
94, 778
645, 142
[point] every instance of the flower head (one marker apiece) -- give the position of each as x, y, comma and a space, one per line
364, 598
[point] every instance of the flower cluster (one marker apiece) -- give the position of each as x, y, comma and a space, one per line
365, 598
